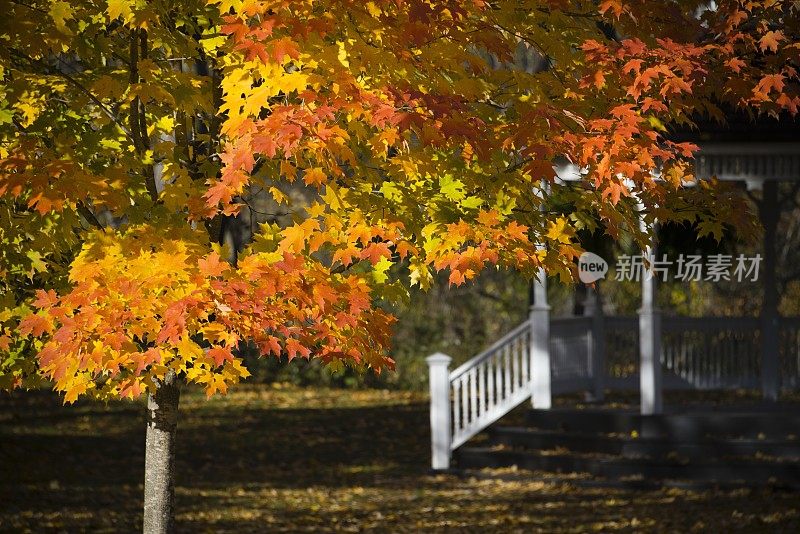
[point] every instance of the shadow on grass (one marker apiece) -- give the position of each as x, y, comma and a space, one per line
290, 461
88, 458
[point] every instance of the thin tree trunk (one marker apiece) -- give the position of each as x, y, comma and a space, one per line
159, 469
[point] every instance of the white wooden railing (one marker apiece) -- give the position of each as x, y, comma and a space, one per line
482, 390
696, 353
711, 352
491, 384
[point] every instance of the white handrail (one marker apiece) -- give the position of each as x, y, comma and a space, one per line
490, 385
475, 360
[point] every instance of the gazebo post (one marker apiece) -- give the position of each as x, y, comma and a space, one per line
539, 346
441, 421
650, 386
541, 395
593, 308
769, 214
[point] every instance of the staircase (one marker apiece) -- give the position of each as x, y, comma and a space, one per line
622, 448
742, 445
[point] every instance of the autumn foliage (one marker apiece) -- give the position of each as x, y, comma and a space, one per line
423, 133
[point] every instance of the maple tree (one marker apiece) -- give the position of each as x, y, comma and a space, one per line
423, 134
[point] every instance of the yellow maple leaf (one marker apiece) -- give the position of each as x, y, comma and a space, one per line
61, 12
120, 8
379, 270
374, 10
560, 230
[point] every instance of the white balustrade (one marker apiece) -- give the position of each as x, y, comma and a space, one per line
697, 353
490, 385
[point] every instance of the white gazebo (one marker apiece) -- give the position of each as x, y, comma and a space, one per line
595, 353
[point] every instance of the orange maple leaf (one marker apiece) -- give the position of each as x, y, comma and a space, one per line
456, 278
293, 347
375, 251
284, 47
35, 324
220, 355
212, 265
769, 41
315, 177
45, 299
294, 237
770, 82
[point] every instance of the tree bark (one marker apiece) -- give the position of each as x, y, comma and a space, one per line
159, 475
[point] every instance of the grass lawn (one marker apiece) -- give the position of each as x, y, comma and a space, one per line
292, 460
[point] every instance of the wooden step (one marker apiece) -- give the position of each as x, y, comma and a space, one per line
631, 447
481, 457
530, 438
776, 424
784, 474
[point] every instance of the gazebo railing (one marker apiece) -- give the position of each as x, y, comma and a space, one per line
711, 352
490, 385
497, 380
696, 353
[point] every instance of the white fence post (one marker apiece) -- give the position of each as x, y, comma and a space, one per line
439, 373
650, 373
541, 396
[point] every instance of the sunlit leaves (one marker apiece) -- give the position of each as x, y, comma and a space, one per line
135, 313
397, 139
120, 8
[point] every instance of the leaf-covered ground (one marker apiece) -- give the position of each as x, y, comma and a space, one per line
293, 460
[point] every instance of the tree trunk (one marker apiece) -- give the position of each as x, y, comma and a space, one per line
159, 463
